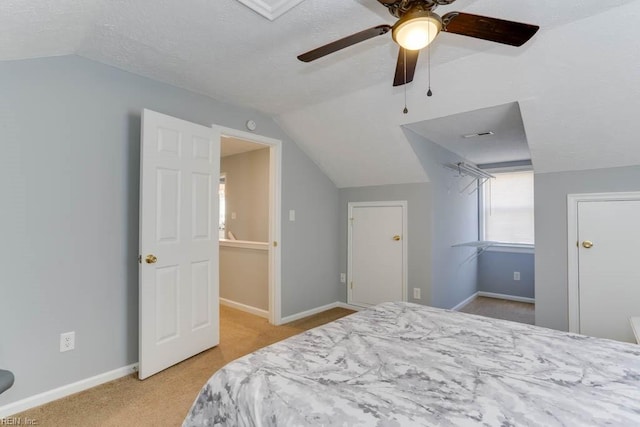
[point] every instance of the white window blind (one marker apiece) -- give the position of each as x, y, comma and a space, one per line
507, 208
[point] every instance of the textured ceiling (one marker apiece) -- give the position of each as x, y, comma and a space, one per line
576, 89
343, 105
224, 49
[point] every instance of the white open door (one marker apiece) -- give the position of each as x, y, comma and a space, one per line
179, 293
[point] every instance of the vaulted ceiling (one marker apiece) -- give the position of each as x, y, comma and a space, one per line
575, 81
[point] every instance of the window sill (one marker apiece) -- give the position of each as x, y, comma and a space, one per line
515, 248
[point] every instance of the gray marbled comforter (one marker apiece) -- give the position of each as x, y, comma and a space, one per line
402, 364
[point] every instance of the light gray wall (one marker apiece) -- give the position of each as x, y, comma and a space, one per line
310, 243
455, 220
418, 197
244, 276
551, 271
495, 273
247, 194
69, 173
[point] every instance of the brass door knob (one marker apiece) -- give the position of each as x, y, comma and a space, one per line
151, 259
587, 244
396, 237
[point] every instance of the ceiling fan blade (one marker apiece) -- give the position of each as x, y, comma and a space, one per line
492, 29
335, 46
412, 60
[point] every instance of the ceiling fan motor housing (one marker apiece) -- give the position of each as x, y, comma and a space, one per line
400, 8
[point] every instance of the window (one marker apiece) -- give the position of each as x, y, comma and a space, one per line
506, 208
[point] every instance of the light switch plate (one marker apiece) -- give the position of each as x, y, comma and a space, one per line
292, 215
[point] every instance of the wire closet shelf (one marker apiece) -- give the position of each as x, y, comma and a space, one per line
480, 177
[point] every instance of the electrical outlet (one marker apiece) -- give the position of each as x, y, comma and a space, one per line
416, 293
343, 278
516, 275
67, 341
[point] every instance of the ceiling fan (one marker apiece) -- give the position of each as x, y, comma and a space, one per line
418, 26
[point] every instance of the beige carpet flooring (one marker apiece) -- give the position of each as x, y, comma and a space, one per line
165, 398
502, 309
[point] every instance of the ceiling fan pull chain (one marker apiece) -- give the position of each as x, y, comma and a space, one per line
429, 93
404, 51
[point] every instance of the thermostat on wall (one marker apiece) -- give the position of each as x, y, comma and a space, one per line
251, 125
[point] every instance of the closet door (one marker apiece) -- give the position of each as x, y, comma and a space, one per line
608, 248
377, 253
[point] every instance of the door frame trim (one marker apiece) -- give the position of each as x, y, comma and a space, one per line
404, 205
573, 282
275, 194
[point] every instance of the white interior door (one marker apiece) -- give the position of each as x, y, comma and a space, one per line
180, 167
377, 253
609, 273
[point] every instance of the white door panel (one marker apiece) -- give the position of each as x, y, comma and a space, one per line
179, 292
608, 272
377, 254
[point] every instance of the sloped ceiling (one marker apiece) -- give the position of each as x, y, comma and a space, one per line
505, 140
576, 89
575, 81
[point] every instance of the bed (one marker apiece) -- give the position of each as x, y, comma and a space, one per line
403, 364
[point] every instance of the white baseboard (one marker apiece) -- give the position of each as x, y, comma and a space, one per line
317, 310
64, 391
307, 313
349, 306
246, 308
507, 297
465, 302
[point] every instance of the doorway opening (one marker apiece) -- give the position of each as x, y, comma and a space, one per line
249, 223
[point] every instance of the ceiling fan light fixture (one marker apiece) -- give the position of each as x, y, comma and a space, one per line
416, 30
